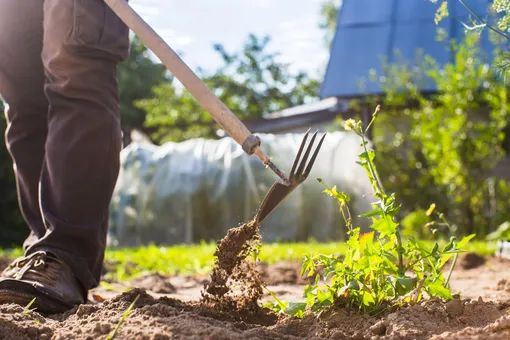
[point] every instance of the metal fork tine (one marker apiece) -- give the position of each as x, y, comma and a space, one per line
314, 156
305, 156
296, 160
279, 191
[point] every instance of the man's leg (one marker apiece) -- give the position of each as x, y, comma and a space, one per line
22, 87
83, 42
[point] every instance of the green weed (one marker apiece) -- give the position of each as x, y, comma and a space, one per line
379, 269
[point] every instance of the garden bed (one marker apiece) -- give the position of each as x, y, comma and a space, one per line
380, 285
169, 308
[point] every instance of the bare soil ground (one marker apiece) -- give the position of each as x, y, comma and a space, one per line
168, 308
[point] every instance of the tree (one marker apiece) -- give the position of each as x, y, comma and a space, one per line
137, 76
251, 83
329, 10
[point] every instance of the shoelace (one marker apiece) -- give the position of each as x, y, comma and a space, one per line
32, 264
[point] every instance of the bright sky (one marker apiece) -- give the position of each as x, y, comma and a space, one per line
191, 28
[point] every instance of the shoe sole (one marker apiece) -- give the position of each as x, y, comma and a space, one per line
43, 304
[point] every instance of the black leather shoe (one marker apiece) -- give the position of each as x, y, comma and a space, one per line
42, 276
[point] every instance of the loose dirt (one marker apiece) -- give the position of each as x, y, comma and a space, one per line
471, 260
232, 250
235, 286
504, 285
481, 312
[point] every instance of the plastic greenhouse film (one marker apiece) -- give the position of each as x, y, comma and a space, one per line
196, 190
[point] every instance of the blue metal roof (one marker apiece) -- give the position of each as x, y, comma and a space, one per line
369, 30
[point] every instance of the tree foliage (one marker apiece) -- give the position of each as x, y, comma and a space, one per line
251, 83
328, 11
503, 7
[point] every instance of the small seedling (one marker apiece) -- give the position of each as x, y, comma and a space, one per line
27, 309
121, 321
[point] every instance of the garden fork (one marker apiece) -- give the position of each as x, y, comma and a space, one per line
279, 191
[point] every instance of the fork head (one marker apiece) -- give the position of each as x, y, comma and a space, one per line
298, 174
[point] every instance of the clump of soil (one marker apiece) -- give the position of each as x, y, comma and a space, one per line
504, 285
471, 261
283, 273
235, 285
154, 282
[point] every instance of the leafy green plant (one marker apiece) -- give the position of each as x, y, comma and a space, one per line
380, 268
413, 224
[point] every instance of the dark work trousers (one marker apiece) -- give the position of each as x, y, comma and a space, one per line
58, 77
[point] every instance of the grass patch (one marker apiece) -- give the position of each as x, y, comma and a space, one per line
198, 259
127, 263
11, 253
